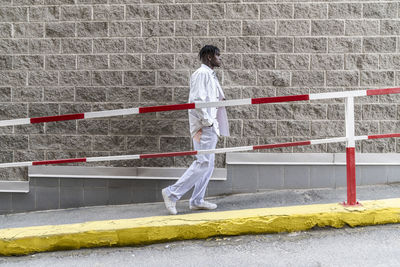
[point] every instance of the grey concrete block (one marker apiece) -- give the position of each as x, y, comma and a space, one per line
242, 44
242, 11
361, 27
92, 29
393, 174
308, 78
177, 45
71, 197
174, 12
141, 12
373, 175
71, 182
239, 77
141, 45
270, 177
322, 177
244, 179
208, 11
47, 182
68, 46
95, 196
74, 13
261, 28
380, 10
60, 29
10, 46
276, 11
5, 202
91, 183
344, 45
47, 198
120, 183
216, 188
158, 28
24, 201
148, 190
106, 12
44, 13
296, 177
119, 195
276, 44
114, 45
345, 10
379, 44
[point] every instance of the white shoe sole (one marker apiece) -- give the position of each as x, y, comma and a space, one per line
166, 199
201, 208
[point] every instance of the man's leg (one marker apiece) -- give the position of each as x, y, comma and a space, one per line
199, 171
187, 180
201, 185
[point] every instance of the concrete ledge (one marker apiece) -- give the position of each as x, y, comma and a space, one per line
14, 186
128, 232
368, 159
141, 173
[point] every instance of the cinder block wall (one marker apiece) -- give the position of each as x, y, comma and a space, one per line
69, 56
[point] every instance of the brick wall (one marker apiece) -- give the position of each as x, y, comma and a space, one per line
68, 56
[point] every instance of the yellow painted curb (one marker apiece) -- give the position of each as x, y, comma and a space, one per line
139, 231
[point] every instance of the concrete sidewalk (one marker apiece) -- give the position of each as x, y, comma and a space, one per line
136, 224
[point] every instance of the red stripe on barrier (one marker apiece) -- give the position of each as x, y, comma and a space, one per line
58, 161
58, 118
171, 154
167, 108
302, 143
376, 136
383, 91
277, 99
351, 176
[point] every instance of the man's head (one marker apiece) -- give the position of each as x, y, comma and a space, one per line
210, 56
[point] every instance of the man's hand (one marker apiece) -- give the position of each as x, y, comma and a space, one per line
197, 136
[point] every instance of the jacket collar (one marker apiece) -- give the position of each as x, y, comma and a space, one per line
207, 68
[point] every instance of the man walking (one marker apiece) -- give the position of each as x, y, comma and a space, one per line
206, 125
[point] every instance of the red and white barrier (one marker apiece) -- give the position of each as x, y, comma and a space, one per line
349, 117
195, 152
227, 103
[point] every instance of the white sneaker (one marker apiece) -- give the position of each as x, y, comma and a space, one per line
169, 204
205, 205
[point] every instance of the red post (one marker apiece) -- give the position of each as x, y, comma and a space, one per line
351, 176
350, 153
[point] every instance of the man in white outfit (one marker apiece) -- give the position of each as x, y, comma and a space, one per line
206, 125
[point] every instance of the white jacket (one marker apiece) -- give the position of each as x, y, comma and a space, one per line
204, 87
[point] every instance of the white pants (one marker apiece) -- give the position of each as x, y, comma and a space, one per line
199, 173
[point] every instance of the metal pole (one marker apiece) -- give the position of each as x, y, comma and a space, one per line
350, 152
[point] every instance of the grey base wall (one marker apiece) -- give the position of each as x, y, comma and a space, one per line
252, 172
62, 193
246, 173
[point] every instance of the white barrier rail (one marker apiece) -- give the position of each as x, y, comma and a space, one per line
349, 139
227, 103
195, 152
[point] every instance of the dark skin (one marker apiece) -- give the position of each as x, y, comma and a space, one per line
211, 61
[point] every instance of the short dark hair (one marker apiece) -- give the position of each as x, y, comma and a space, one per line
208, 50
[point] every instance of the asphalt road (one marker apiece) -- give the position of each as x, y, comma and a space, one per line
362, 246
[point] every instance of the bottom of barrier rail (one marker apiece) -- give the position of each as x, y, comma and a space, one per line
194, 152
350, 158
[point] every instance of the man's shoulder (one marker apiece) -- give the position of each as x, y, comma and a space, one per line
201, 72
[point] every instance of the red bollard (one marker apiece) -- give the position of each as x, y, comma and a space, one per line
351, 176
